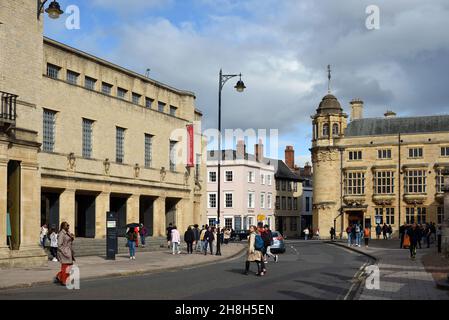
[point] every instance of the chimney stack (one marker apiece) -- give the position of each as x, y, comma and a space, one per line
356, 109
290, 157
241, 149
258, 151
390, 114
308, 170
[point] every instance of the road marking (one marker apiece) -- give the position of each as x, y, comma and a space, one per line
356, 277
294, 249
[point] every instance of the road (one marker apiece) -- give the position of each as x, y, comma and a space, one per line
308, 270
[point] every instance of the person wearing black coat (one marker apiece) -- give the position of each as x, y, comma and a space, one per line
189, 238
208, 240
413, 233
401, 235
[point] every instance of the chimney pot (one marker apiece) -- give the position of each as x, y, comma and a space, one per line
290, 157
356, 109
390, 114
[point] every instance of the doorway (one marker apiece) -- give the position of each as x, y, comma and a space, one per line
85, 216
146, 213
170, 211
13, 199
355, 217
118, 204
50, 210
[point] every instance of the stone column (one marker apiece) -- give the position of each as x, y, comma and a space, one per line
101, 207
30, 205
445, 224
3, 199
132, 208
184, 214
159, 217
67, 208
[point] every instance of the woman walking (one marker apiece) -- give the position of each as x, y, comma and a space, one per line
132, 235
65, 253
175, 240
43, 235
189, 238
54, 244
253, 254
366, 235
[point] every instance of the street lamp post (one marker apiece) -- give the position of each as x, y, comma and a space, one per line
53, 10
240, 87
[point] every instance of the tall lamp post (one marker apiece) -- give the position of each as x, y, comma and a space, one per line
240, 87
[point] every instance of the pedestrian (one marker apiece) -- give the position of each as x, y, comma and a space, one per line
269, 243
384, 231
433, 231
216, 237
439, 238
428, 234
354, 235
349, 233
390, 231
175, 240
202, 237
358, 235
65, 253
317, 233
208, 241
54, 244
419, 235
131, 236
189, 238
412, 233
43, 235
196, 242
169, 229
378, 231
254, 254
143, 231
227, 235
332, 233
401, 235
136, 230
366, 235
306, 233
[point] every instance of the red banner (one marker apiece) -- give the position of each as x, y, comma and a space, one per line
190, 146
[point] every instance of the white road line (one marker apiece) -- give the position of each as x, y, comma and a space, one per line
356, 277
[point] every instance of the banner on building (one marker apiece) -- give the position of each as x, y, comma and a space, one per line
190, 146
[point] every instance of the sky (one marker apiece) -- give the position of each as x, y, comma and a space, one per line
282, 48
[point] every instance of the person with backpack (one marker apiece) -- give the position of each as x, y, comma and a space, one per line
366, 235
189, 238
268, 242
208, 241
358, 235
378, 231
131, 237
254, 254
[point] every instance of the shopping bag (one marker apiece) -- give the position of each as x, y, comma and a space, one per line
406, 243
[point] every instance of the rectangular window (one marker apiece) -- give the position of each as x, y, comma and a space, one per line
148, 103
106, 88
290, 203
379, 216
307, 204
295, 186
72, 77
262, 179
384, 154
278, 203
389, 215
161, 107
49, 119
284, 185
212, 222
262, 200
422, 215
173, 111
172, 155
212, 200
148, 150
119, 145
277, 185
355, 155
87, 138
269, 179
355, 183
136, 98
415, 181
440, 181
212, 176
289, 186
415, 152
228, 200
121, 93
89, 83
284, 203
251, 200
440, 215
228, 176
409, 215
269, 201
293, 224
228, 223
384, 182
198, 167
251, 176
445, 151
53, 71
237, 223
295, 204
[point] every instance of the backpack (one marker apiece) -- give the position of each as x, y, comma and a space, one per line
357, 229
266, 236
258, 243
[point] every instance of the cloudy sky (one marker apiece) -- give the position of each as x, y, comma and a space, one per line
282, 48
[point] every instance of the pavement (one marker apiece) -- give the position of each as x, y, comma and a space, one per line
306, 271
95, 267
400, 277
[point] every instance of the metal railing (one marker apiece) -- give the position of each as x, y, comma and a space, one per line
8, 107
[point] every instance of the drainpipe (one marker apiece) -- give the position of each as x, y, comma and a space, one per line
400, 180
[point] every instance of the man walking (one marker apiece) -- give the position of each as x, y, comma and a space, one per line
268, 242
412, 232
401, 235
209, 240
306, 233
196, 242
332, 233
378, 231
358, 235
169, 229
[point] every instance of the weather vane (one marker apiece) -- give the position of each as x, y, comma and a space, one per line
329, 77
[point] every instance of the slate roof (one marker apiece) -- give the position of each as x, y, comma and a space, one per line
390, 126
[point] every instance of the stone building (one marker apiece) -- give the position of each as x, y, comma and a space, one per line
81, 136
376, 170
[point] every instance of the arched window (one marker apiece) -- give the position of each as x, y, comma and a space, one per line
326, 130
335, 129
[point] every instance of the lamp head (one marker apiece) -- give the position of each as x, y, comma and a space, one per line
240, 86
54, 10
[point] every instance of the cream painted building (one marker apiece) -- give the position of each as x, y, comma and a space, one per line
82, 136
376, 170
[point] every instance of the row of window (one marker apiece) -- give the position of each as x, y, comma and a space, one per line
48, 145
229, 177
285, 185
412, 215
266, 200
413, 153
106, 88
287, 203
238, 223
415, 181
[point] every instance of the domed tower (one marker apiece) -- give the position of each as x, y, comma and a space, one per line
329, 124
